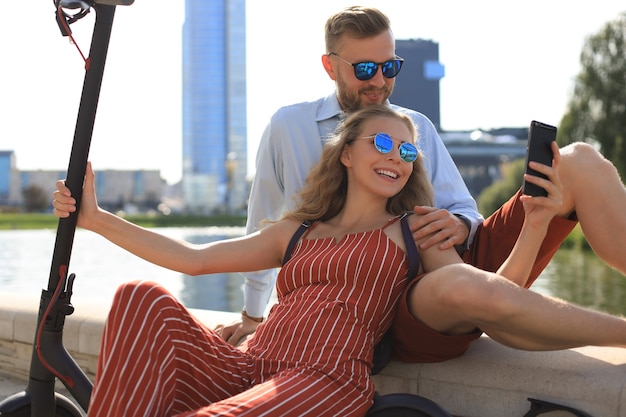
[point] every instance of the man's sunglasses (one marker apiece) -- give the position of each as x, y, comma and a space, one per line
384, 144
367, 69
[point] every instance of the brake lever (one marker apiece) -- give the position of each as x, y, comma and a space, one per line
64, 20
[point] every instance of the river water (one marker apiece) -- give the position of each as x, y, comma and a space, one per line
100, 267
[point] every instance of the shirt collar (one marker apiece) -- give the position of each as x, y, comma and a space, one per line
330, 108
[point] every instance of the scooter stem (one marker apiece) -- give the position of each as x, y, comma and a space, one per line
40, 391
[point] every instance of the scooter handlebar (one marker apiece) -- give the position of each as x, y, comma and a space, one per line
115, 2
82, 4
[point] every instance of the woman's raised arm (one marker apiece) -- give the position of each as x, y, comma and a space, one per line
261, 250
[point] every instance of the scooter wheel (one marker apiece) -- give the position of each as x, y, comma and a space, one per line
405, 405
25, 412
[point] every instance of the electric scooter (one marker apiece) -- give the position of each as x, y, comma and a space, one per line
50, 360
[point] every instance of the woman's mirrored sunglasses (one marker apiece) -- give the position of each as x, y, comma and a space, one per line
384, 144
367, 69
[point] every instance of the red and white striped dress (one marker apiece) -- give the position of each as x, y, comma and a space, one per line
311, 357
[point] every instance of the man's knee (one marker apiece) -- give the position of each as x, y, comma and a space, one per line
581, 157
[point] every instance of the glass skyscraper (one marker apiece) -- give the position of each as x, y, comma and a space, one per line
214, 105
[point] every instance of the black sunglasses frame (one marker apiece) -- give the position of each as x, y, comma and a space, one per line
368, 73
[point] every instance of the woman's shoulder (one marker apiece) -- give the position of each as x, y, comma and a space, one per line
284, 228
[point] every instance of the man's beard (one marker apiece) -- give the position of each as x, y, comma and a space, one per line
351, 102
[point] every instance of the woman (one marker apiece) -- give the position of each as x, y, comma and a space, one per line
336, 295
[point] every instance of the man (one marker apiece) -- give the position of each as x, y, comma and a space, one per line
293, 141
360, 58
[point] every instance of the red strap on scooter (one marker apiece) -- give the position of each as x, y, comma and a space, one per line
66, 27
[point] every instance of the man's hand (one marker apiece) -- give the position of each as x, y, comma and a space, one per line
447, 230
238, 331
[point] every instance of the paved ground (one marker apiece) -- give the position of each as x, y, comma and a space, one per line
10, 385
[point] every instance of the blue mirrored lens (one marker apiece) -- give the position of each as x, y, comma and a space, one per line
408, 152
384, 144
365, 70
391, 68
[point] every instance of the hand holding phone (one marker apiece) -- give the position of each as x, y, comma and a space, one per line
539, 149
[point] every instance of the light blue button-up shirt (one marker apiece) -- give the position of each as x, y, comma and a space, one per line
292, 144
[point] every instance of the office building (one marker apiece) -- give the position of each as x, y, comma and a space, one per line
417, 85
480, 156
8, 192
214, 106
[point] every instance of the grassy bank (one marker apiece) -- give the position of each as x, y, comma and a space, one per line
576, 240
24, 221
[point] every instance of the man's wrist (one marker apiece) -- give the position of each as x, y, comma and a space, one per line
468, 224
244, 314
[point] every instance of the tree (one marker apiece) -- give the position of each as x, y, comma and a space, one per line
35, 199
597, 109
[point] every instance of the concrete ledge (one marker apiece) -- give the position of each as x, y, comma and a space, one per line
489, 381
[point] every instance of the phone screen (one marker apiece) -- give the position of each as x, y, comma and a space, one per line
540, 138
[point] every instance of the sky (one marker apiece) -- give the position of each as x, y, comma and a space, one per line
507, 63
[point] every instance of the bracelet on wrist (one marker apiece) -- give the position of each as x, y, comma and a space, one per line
254, 319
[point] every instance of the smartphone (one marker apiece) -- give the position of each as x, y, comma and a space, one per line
540, 138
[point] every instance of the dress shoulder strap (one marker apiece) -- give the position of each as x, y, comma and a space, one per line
294, 239
412, 254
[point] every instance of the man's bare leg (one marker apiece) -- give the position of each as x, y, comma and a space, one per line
593, 189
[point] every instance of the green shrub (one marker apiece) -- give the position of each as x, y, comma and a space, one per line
501, 191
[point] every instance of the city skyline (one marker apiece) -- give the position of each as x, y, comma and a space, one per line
499, 58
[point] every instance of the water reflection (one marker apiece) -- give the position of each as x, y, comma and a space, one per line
101, 267
223, 292
582, 278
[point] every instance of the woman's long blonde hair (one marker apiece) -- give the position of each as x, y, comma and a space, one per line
324, 193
